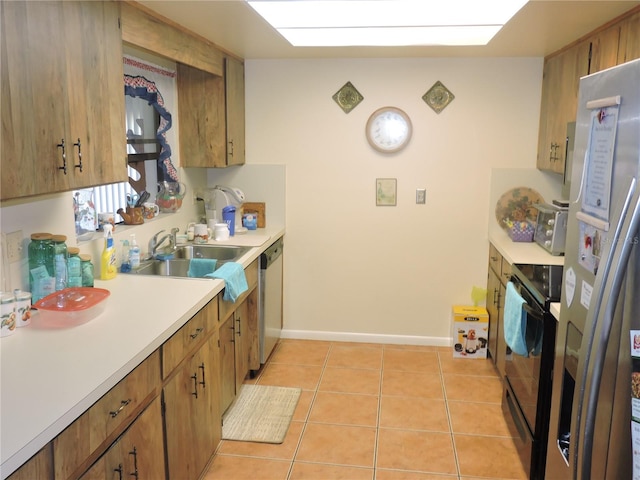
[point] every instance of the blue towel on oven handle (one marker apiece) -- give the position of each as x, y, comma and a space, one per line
515, 321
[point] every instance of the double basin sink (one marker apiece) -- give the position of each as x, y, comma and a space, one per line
178, 266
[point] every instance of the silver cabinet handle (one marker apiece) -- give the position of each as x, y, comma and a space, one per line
123, 404
79, 165
64, 156
195, 334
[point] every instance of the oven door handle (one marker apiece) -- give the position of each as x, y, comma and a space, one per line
533, 312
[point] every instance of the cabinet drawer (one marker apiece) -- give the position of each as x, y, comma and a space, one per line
226, 308
506, 271
495, 259
105, 419
185, 340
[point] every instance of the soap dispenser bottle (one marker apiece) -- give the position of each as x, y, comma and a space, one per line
134, 253
108, 263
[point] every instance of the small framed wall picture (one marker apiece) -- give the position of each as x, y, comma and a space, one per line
386, 192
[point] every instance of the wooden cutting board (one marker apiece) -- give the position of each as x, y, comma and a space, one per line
258, 208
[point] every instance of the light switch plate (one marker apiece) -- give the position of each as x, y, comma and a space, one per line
421, 196
14, 246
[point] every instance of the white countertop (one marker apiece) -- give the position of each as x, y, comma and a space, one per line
522, 252
50, 377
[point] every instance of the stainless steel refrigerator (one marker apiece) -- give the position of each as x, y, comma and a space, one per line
594, 430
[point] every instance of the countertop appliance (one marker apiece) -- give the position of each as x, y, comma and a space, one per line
270, 298
594, 430
551, 227
527, 379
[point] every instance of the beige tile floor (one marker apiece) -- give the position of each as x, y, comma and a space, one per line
379, 412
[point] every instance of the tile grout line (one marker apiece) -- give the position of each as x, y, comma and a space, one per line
446, 406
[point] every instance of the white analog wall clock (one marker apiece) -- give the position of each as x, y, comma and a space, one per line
389, 129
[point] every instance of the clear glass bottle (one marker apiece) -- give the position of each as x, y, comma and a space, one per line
41, 272
87, 270
74, 269
60, 256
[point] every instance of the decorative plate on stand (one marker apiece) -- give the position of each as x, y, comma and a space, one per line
517, 205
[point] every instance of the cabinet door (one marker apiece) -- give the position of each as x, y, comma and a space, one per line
630, 39
234, 82
61, 85
501, 349
604, 49
201, 109
192, 413
34, 98
493, 301
242, 343
96, 138
138, 453
560, 84
227, 363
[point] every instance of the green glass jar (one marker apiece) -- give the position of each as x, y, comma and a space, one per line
87, 270
41, 272
74, 268
60, 256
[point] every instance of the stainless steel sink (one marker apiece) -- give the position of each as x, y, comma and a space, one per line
221, 253
179, 265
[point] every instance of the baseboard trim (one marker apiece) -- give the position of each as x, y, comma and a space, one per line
366, 338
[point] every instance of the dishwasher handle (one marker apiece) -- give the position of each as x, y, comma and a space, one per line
271, 254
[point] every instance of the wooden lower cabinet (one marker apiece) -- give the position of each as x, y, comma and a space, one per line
82, 441
239, 348
164, 419
227, 363
138, 453
192, 412
498, 276
40, 466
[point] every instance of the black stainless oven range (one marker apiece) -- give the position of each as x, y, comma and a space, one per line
527, 380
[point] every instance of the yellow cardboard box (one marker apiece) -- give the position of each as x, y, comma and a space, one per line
470, 331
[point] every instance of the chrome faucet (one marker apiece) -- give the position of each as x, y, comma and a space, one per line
154, 243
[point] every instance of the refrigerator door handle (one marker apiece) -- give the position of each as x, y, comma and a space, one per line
600, 321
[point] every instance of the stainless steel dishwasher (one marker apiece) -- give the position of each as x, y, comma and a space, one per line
270, 293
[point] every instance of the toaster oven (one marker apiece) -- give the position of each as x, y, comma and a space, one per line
551, 228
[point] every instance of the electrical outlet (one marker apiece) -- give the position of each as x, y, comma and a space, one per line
14, 246
421, 195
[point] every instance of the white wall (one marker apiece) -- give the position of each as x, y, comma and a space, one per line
352, 267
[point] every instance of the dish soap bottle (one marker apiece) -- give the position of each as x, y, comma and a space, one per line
108, 263
125, 265
134, 253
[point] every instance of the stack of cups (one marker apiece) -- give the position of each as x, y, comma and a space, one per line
15, 311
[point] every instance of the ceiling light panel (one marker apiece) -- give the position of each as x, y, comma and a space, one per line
387, 22
390, 36
365, 13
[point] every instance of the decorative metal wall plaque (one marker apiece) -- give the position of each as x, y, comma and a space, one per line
438, 97
347, 97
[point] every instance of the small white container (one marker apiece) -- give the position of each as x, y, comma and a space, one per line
23, 308
221, 232
7, 314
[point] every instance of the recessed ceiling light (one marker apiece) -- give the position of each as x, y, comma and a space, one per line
387, 22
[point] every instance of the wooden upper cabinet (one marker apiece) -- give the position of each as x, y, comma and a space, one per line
605, 49
234, 82
630, 38
560, 84
202, 118
61, 72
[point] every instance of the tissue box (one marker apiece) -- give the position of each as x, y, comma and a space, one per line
470, 331
522, 232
